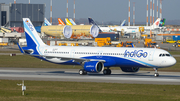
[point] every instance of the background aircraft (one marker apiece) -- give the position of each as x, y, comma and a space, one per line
103, 28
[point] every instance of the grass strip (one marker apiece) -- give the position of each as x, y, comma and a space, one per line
86, 91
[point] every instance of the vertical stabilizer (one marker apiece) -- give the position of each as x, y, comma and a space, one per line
123, 23
71, 20
164, 20
68, 22
156, 23
32, 37
61, 22
91, 22
46, 22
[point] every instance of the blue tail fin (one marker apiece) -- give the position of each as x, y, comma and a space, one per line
91, 22
123, 23
32, 37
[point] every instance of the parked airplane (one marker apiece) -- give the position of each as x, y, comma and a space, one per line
135, 29
128, 29
103, 28
94, 59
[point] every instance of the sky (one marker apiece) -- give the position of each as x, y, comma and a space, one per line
106, 10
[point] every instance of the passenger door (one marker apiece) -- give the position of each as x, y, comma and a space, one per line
151, 54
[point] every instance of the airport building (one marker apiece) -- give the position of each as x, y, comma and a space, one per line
11, 14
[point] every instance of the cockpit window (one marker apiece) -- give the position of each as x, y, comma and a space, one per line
162, 55
168, 55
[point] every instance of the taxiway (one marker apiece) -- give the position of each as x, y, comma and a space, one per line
117, 76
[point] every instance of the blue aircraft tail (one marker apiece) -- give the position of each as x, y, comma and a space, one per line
91, 22
32, 38
123, 23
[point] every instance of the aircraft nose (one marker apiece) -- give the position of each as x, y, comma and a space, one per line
172, 61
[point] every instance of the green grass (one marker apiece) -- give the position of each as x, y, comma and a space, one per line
10, 52
174, 52
83, 91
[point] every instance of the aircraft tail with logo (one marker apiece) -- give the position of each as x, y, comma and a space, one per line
68, 22
32, 38
162, 22
156, 24
61, 22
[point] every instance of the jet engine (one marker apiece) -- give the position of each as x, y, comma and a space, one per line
93, 66
130, 69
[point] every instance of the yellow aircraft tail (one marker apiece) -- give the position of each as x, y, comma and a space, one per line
68, 22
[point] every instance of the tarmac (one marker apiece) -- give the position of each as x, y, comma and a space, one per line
117, 76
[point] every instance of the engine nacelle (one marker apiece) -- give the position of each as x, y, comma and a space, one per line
93, 66
130, 69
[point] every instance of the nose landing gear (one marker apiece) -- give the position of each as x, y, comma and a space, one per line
156, 74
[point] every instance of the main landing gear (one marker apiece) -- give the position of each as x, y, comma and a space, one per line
156, 74
107, 71
82, 72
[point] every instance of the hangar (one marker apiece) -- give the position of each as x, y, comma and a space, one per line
11, 14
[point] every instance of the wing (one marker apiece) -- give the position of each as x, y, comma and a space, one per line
80, 60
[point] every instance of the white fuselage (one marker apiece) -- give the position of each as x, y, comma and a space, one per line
113, 56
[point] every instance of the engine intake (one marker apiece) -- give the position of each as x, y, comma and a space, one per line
130, 69
93, 66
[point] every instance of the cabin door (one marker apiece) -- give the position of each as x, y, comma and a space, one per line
151, 55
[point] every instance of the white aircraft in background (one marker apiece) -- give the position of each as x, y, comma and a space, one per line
103, 28
135, 29
94, 59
